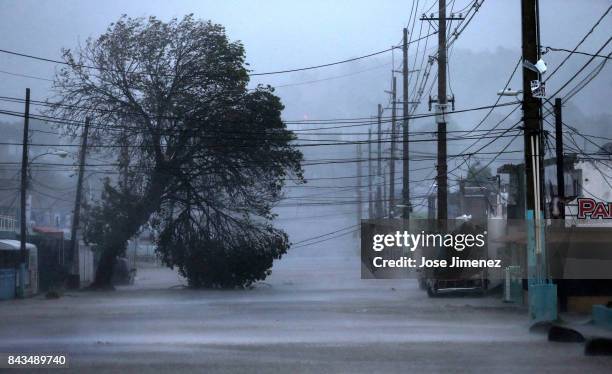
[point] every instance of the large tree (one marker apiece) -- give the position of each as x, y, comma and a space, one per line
204, 158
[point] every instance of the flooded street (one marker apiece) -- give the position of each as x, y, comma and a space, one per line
312, 312
271, 154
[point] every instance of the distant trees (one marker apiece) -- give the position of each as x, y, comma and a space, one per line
204, 159
478, 175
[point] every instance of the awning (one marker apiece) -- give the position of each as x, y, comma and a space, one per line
14, 245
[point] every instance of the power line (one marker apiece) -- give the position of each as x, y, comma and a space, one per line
344, 124
581, 69
44, 59
576, 52
585, 82
326, 234
324, 65
25, 76
327, 239
249, 163
330, 78
520, 59
579, 43
57, 120
354, 120
321, 142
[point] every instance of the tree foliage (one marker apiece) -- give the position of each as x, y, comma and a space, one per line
477, 175
205, 158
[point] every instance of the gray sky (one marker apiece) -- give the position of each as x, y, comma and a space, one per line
277, 34
284, 34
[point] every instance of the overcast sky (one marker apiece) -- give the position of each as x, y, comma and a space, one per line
278, 34
285, 34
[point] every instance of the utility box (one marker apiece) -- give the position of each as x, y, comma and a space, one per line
543, 302
7, 284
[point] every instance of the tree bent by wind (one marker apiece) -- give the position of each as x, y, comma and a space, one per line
202, 159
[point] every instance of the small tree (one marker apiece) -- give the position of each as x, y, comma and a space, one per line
204, 158
477, 175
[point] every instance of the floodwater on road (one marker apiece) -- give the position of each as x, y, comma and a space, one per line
313, 314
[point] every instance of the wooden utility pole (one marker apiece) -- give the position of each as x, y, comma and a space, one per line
531, 105
442, 108
76, 214
560, 158
531, 110
124, 162
379, 205
542, 306
391, 201
384, 198
359, 194
370, 176
405, 144
440, 111
23, 254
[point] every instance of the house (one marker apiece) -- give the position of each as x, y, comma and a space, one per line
10, 278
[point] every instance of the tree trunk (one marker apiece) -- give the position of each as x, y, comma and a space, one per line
135, 212
104, 272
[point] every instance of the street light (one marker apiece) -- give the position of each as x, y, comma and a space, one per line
509, 92
50, 152
25, 173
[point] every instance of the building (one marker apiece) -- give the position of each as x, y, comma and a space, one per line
578, 252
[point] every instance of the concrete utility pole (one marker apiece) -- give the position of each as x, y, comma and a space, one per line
405, 133
74, 248
560, 158
542, 294
440, 118
23, 254
393, 138
379, 206
370, 176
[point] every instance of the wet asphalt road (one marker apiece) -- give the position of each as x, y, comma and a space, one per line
312, 315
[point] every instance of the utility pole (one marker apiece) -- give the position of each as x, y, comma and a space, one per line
370, 176
542, 293
440, 110
384, 199
560, 158
74, 248
391, 201
359, 195
379, 206
405, 144
23, 254
124, 161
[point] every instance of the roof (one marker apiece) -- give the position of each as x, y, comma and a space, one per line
48, 230
14, 245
